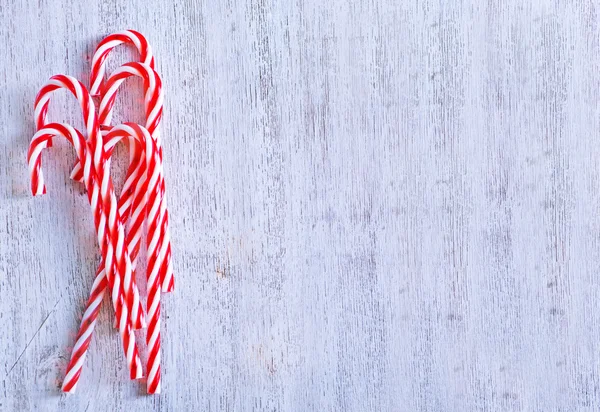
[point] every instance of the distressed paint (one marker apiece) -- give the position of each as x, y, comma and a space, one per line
376, 206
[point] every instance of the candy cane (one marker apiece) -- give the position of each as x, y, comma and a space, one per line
85, 332
106, 46
152, 189
115, 244
142, 138
91, 312
154, 106
99, 65
40, 141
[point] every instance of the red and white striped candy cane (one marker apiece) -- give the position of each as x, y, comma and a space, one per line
85, 332
153, 194
99, 65
154, 106
116, 238
40, 141
105, 47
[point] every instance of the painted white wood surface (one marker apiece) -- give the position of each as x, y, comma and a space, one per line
376, 206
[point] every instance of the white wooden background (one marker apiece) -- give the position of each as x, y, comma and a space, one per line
376, 205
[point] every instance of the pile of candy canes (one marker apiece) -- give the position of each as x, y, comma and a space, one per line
142, 200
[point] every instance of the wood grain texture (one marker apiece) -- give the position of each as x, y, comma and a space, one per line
376, 206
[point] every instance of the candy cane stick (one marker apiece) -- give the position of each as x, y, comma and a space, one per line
98, 289
154, 193
115, 244
154, 106
39, 142
141, 137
